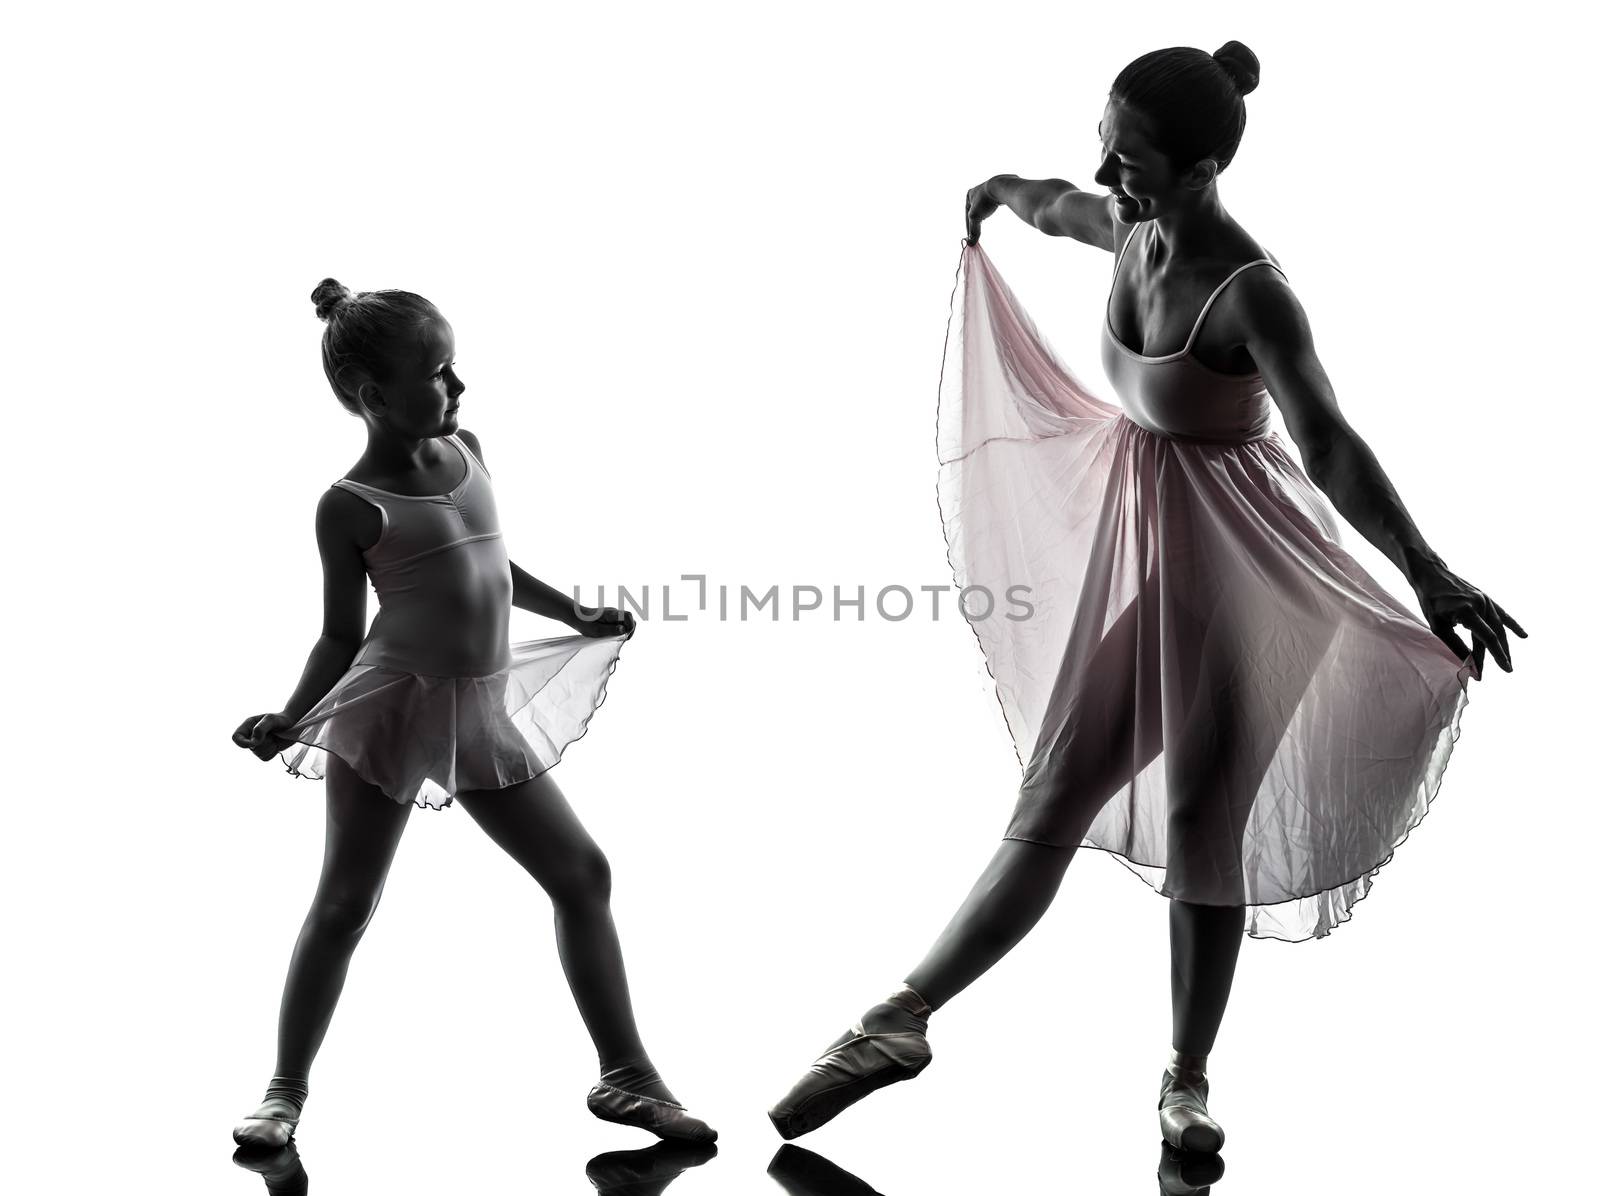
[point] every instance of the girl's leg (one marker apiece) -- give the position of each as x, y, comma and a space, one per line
534, 824
364, 826
363, 829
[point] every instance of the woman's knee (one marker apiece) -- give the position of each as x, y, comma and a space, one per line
583, 878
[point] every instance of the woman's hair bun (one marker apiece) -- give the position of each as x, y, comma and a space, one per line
1242, 66
329, 294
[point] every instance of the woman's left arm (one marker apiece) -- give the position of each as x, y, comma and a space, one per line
1344, 467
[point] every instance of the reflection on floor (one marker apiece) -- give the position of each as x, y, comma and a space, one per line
802, 1172
798, 1171
614, 1173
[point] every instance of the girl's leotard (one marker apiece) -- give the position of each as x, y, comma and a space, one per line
437, 698
442, 577
1204, 683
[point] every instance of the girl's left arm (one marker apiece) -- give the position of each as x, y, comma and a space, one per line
529, 593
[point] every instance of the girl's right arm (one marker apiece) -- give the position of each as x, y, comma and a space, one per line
1052, 206
344, 619
344, 600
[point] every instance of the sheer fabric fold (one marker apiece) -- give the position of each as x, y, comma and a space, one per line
1207, 685
422, 738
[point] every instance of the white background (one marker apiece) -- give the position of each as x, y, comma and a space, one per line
698, 261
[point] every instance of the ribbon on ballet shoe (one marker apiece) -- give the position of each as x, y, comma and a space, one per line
910, 1000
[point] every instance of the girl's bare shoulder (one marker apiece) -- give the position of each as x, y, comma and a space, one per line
471, 441
346, 522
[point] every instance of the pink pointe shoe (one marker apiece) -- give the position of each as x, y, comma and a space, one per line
860, 1064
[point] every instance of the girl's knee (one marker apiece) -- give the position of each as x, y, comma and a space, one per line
344, 917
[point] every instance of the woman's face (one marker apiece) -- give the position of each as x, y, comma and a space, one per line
1140, 175
422, 392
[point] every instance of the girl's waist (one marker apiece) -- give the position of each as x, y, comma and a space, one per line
415, 645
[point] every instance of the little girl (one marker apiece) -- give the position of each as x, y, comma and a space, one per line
434, 704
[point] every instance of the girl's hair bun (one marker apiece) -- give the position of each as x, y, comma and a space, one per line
1242, 66
329, 294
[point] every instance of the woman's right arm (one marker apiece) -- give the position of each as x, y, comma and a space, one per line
344, 600
1053, 206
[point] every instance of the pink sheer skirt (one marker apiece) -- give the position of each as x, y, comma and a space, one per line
423, 738
1207, 686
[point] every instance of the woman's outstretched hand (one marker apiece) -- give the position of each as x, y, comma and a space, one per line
259, 733
596, 622
1448, 599
980, 206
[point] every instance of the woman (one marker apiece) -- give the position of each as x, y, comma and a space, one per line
1209, 687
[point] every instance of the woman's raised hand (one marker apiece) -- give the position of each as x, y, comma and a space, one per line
259, 733
980, 206
1448, 599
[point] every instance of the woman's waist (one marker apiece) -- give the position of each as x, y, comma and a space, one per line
1196, 434
1226, 415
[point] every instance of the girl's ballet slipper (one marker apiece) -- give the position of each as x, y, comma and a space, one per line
664, 1118
1185, 1123
845, 1073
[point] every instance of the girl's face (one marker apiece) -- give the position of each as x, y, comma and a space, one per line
1140, 175
422, 392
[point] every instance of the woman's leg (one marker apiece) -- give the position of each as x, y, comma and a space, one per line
363, 829
534, 824
1246, 690
1086, 755
1023, 877
1205, 948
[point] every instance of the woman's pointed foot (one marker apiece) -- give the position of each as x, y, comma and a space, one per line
886, 1046
1185, 1121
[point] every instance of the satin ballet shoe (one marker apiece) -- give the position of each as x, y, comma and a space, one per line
859, 1065
1185, 1123
663, 1118
266, 1133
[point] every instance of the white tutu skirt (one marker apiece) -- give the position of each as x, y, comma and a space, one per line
1207, 685
422, 738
